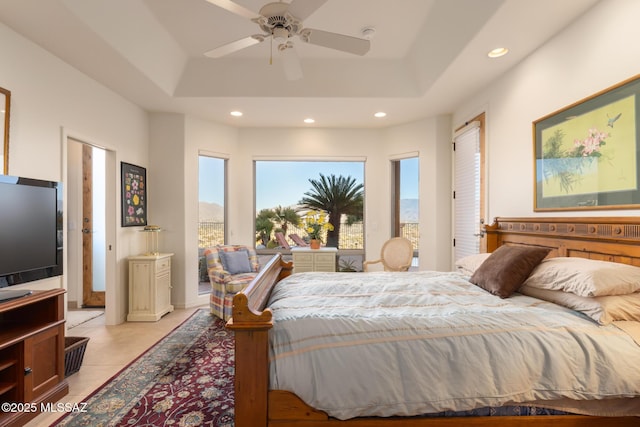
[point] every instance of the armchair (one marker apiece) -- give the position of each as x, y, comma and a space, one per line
230, 269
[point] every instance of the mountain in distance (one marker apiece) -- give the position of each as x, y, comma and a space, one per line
409, 210
211, 212
215, 213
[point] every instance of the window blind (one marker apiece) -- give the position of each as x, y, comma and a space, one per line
467, 191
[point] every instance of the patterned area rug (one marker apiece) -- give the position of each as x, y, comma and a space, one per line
184, 380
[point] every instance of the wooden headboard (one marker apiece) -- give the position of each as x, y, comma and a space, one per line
614, 239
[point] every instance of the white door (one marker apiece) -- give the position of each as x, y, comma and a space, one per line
468, 189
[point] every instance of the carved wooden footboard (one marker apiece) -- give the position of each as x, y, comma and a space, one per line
614, 239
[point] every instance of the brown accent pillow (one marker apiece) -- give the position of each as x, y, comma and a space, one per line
504, 271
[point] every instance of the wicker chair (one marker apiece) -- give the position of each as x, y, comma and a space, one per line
230, 269
396, 255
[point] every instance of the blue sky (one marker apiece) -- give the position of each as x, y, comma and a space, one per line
409, 178
285, 182
211, 188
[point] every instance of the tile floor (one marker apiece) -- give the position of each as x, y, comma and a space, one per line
110, 348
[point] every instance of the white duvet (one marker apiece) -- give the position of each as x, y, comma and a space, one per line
383, 344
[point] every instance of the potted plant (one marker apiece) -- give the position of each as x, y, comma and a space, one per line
315, 224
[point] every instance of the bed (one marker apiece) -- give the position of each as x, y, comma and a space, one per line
259, 405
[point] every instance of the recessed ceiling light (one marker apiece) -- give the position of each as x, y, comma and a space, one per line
498, 52
380, 114
236, 113
309, 120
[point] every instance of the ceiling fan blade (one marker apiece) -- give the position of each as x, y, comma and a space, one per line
291, 64
336, 41
235, 46
235, 8
302, 9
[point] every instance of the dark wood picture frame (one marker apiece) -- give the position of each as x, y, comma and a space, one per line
5, 110
587, 155
134, 195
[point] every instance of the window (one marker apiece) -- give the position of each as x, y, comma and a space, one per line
211, 210
281, 187
406, 199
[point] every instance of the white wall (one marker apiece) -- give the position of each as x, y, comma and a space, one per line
50, 100
432, 138
207, 138
73, 214
176, 142
598, 51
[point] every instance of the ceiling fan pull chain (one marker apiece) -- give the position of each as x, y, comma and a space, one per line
271, 52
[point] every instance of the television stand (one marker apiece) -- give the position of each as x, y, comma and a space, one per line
31, 353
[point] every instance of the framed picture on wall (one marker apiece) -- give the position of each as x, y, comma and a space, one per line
5, 110
134, 195
587, 155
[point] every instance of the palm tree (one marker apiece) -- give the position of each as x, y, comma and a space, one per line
264, 225
336, 196
286, 216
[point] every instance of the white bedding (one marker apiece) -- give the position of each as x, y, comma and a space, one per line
383, 344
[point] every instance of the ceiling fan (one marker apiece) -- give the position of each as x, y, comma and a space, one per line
282, 22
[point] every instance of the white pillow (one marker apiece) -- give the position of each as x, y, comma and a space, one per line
469, 264
585, 277
603, 310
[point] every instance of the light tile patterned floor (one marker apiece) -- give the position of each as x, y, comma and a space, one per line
110, 348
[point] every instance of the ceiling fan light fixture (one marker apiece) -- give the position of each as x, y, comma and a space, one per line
280, 34
309, 120
380, 114
236, 113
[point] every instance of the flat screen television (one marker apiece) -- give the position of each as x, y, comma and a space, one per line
31, 224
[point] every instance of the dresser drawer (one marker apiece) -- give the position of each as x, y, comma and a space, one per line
163, 265
305, 258
325, 258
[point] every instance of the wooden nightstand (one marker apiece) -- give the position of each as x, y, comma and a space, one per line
306, 259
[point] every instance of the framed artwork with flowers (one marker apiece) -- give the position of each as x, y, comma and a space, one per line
134, 195
587, 155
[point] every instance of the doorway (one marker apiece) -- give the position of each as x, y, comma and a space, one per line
90, 231
469, 188
93, 227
